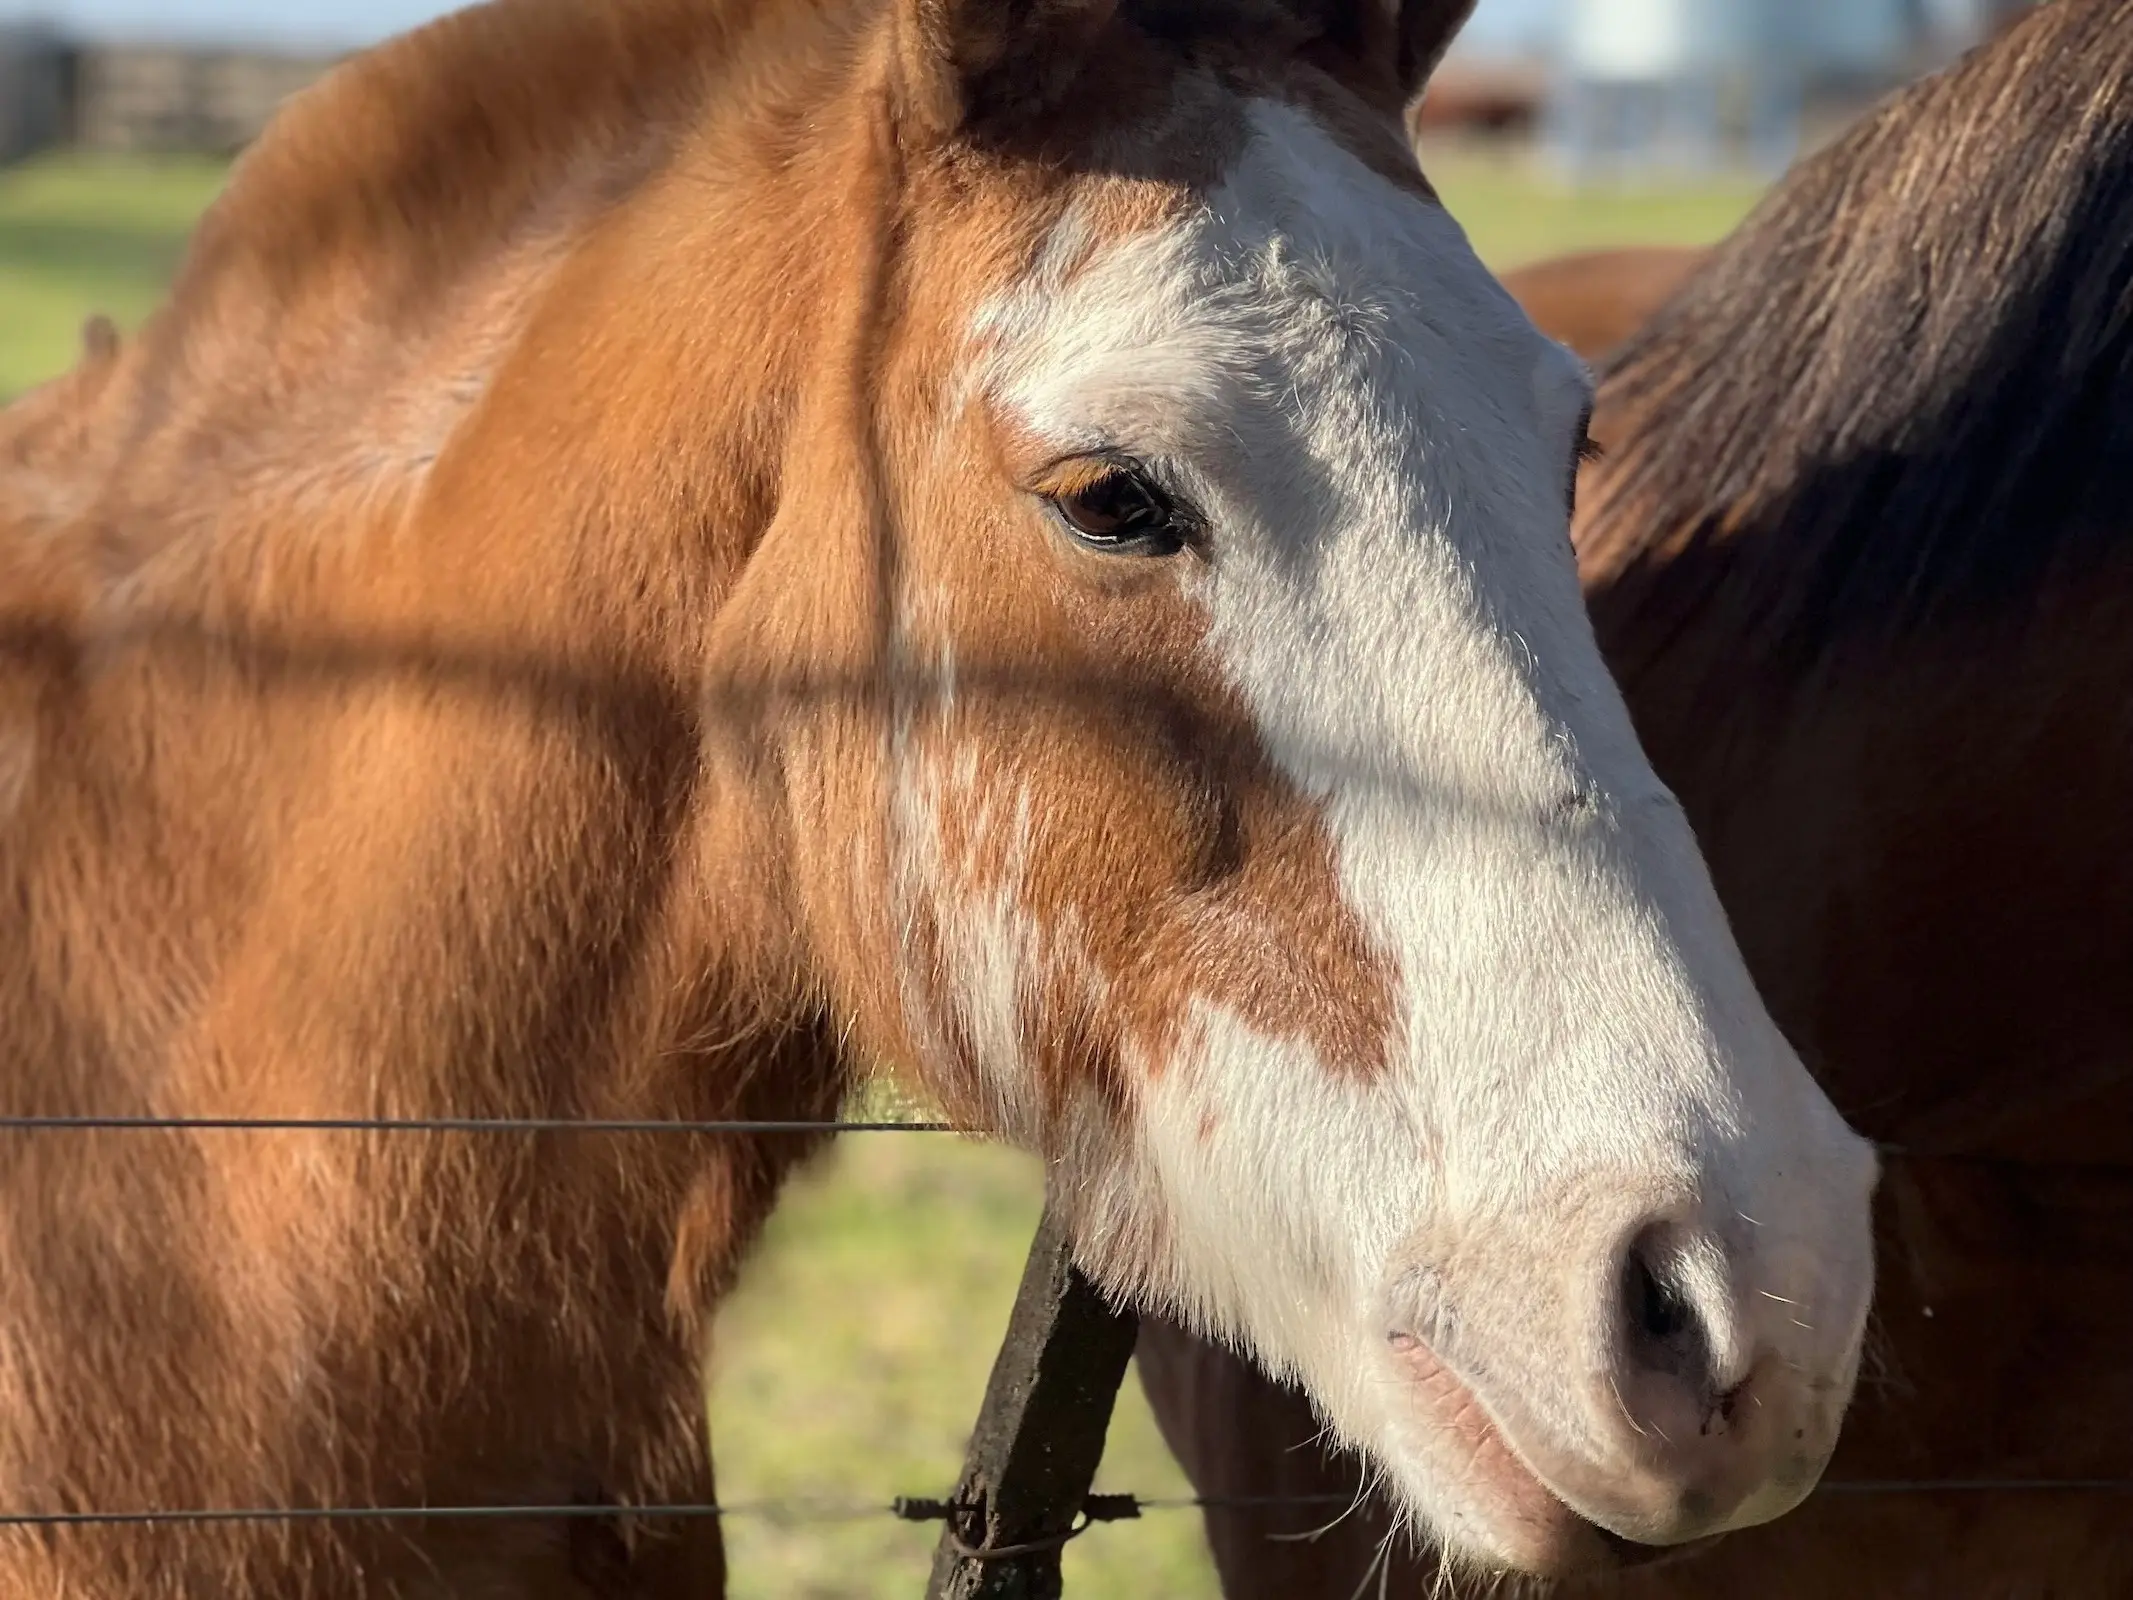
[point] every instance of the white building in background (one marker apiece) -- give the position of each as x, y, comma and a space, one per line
1652, 41
1645, 83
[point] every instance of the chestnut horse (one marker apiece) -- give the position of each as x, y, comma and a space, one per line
1862, 557
666, 554
1595, 299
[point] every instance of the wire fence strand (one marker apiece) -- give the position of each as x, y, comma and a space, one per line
463, 1125
1122, 1507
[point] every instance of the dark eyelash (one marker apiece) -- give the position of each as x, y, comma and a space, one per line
1590, 449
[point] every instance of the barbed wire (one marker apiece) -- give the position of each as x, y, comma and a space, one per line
1097, 1508
632, 1125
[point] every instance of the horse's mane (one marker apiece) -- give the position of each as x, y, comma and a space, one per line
1901, 394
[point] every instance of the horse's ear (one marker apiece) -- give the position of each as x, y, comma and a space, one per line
964, 62
1408, 37
1426, 30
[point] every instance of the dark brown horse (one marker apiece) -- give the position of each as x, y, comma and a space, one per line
1862, 558
1595, 299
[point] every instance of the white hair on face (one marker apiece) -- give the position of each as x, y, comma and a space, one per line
1380, 442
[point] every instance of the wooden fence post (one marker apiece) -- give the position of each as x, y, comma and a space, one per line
1040, 1434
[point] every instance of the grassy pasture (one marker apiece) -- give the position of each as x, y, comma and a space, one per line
853, 1357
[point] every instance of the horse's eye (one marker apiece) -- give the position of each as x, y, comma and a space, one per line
1121, 512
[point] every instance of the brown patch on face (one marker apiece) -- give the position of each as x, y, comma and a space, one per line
1096, 795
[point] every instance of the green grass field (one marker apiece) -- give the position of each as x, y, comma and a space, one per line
80, 237
851, 1361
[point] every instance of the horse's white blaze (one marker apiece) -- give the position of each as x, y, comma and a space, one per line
1382, 443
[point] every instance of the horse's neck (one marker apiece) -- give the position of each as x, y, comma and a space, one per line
412, 512
1921, 844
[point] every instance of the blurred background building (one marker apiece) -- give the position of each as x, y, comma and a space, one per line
1648, 85
1609, 88
1660, 89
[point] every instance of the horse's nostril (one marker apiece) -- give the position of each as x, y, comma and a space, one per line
1657, 1308
1660, 1324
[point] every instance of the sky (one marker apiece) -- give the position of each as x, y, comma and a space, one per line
337, 23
